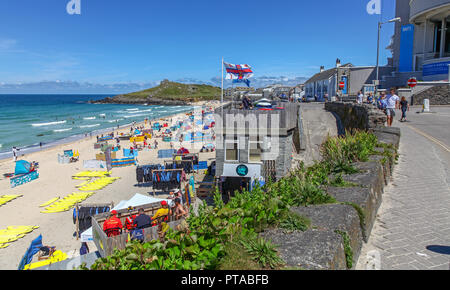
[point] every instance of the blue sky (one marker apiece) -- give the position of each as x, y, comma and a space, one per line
120, 42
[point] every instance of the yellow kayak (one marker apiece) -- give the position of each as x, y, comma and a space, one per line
57, 256
49, 202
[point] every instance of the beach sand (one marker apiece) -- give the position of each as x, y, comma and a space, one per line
55, 180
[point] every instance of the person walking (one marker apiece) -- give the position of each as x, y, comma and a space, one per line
404, 107
392, 103
370, 99
360, 97
381, 101
15, 152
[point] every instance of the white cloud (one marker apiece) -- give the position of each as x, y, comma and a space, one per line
7, 44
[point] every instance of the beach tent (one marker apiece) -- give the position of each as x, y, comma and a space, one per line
35, 246
22, 167
136, 200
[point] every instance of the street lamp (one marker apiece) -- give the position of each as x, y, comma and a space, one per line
398, 19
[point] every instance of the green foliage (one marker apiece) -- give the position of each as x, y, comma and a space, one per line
339, 153
339, 181
262, 251
179, 251
347, 248
298, 190
294, 222
389, 153
237, 258
361, 215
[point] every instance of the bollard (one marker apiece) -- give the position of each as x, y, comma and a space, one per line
426, 106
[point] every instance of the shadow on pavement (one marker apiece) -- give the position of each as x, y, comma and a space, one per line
439, 249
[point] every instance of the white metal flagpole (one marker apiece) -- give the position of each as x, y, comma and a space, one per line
221, 99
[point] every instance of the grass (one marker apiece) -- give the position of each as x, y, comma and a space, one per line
347, 248
237, 258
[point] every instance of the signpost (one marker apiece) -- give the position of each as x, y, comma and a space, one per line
412, 82
341, 85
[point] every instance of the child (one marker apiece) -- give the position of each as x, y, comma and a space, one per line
404, 107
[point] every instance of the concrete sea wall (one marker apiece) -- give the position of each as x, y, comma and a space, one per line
336, 228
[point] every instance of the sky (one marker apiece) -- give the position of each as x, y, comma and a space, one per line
123, 45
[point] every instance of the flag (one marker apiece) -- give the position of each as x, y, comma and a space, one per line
238, 71
246, 81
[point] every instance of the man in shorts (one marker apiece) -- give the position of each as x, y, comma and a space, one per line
392, 102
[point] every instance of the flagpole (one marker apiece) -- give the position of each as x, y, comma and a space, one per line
221, 98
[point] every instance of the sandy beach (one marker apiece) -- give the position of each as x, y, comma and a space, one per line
55, 180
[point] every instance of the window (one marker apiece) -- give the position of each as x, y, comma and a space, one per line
254, 151
231, 150
437, 37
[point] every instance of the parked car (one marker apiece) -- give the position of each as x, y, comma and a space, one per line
309, 99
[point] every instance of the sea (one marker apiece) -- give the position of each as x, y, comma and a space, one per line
26, 121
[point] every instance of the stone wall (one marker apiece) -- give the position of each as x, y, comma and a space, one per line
438, 95
354, 116
322, 247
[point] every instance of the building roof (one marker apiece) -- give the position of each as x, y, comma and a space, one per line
325, 75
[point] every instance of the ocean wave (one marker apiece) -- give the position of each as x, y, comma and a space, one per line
135, 116
135, 109
89, 118
48, 124
62, 130
114, 121
90, 126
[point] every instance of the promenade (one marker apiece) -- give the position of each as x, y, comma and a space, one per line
412, 230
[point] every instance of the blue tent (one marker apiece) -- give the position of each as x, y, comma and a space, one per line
137, 132
22, 167
35, 246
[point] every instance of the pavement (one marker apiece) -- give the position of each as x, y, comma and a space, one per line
412, 229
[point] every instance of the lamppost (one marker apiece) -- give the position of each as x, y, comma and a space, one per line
398, 19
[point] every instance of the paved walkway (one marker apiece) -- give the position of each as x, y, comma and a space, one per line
412, 230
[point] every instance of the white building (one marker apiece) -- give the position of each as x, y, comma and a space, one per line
355, 79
